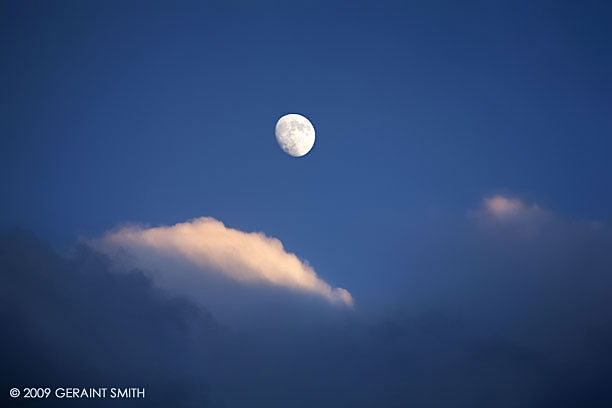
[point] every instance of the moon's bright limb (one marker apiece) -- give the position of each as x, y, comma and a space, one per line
295, 134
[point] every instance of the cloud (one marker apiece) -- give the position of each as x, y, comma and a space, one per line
250, 258
525, 320
503, 208
74, 322
511, 215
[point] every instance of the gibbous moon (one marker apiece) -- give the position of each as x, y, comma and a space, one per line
295, 134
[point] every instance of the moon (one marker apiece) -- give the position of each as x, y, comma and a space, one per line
295, 134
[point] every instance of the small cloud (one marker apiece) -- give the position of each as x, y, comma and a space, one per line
251, 258
504, 207
511, 215
507, 208
501, 208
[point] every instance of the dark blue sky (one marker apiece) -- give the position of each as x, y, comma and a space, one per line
157, 112
116, 112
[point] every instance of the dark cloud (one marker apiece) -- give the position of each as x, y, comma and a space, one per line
70, 322
511, 320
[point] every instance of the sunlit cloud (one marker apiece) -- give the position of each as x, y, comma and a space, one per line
251, 258
502, 208
510, 215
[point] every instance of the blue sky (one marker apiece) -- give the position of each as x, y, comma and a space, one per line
153, 114
150, 113
121, 113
